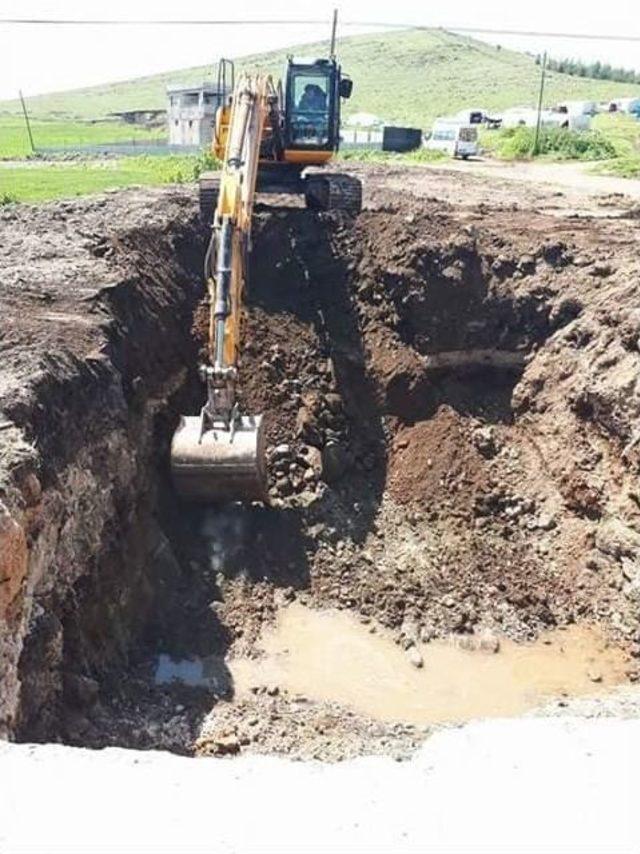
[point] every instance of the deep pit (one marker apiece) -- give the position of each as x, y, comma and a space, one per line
443, 463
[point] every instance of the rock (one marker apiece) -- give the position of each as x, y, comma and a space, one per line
595, 676
546, 522
281, 451
226, 745
334, 403
485, 441
313, 457
415, 656
489, 642
427, 633
410, 631
335, 462
308, 428
527, 264
617, 539
601, 270
284, 486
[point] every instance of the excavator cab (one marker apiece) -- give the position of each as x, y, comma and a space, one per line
313, 89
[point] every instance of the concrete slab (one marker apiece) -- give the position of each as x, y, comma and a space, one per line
522, 785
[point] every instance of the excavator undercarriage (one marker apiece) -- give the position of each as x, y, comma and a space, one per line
322, 191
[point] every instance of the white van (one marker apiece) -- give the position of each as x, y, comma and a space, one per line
455, 138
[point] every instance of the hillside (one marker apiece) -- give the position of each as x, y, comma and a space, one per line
409, 77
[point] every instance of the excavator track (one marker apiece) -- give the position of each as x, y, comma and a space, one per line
333, 192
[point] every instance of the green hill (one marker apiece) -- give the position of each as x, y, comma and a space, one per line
407, 77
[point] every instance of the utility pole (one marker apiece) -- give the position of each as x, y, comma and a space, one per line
334, 27
536, 140
27, 122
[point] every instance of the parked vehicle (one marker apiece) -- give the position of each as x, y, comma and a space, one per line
455, 138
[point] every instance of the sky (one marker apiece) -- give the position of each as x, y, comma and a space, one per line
43, 59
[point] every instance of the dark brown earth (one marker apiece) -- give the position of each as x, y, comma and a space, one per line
451, 399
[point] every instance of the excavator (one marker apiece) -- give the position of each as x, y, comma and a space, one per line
267, 137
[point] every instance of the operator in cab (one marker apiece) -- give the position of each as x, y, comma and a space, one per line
313, 99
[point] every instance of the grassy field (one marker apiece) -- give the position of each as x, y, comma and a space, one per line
14, 140
30, 182
614, 141
406, 77
624, 133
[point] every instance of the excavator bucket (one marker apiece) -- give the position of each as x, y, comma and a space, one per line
217, 465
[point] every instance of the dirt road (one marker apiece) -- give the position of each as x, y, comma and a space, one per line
564, 177
451, 390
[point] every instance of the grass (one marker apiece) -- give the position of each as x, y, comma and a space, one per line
407, 77
624, 133
622, 167
554, 143
622, 130
421, 155
614, 141
34, 183
14, 140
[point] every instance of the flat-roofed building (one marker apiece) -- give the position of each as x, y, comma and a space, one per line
191, 113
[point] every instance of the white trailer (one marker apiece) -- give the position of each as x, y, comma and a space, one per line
528, 117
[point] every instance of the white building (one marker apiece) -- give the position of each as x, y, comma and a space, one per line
528, 117
191, 113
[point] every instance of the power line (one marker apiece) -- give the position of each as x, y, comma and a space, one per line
234, 22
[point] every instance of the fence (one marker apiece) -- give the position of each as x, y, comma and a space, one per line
122, 147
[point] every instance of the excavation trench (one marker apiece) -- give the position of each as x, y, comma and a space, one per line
435, 473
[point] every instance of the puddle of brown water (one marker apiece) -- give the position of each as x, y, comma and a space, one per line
331, 656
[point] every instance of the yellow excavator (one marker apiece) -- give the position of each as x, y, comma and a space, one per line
267, 137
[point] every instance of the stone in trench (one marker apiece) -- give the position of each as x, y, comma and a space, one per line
308, 427
488, 642
226, 745
335, 462
485, 441
415, 656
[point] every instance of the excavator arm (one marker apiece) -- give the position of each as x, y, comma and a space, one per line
219, 455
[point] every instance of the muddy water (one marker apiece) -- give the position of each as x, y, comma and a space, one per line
330, 656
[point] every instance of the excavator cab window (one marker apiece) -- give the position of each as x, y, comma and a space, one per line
310, 100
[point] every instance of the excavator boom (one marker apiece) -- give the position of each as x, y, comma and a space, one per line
219, 455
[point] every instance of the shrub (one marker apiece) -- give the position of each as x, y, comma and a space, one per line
517, 143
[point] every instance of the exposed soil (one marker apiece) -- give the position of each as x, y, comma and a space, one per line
451, 400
